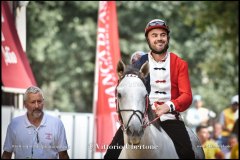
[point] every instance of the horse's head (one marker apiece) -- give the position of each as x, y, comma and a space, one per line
132, 100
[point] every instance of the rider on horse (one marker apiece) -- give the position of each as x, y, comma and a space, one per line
169, 89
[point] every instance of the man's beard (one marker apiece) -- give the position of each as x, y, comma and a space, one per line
159, 52
37, 113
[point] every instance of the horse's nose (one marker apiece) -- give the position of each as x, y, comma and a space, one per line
135, 131
134, 135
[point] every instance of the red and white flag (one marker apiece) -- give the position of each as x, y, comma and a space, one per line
107, 56
16, 70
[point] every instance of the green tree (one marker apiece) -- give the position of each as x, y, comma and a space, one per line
61, 46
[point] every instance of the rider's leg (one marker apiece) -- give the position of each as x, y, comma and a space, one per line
176, 130
113, 153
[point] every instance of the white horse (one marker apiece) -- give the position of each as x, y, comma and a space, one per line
143, 137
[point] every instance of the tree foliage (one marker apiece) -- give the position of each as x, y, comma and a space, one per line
61, 45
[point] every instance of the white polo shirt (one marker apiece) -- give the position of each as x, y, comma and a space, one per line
27, 141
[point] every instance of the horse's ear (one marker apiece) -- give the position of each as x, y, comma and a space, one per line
145, 69
120, 68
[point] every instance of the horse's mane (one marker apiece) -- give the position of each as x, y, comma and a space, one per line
151, 116
135, 71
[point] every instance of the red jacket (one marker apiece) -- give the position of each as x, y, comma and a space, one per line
181, 94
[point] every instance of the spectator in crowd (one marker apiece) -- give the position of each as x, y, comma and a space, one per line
136, 56
210, 147
197, 114
232, 142
217, 137
235, 152
229, 116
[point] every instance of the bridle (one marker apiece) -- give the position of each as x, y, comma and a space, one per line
144, 116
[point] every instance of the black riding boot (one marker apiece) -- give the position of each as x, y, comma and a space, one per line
177, 131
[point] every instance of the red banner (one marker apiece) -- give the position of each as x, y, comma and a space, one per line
107, 56
16, 71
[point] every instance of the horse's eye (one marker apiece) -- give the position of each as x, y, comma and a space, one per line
119, 95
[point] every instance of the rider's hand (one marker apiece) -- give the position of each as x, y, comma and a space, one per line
161, 109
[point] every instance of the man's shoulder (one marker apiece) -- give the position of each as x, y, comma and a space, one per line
174, 56
144, 58
177, 61
228, 110
18, 119
204, 109
211, 143
51, 118
192, 110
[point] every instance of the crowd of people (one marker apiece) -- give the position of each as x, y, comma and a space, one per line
218, 134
